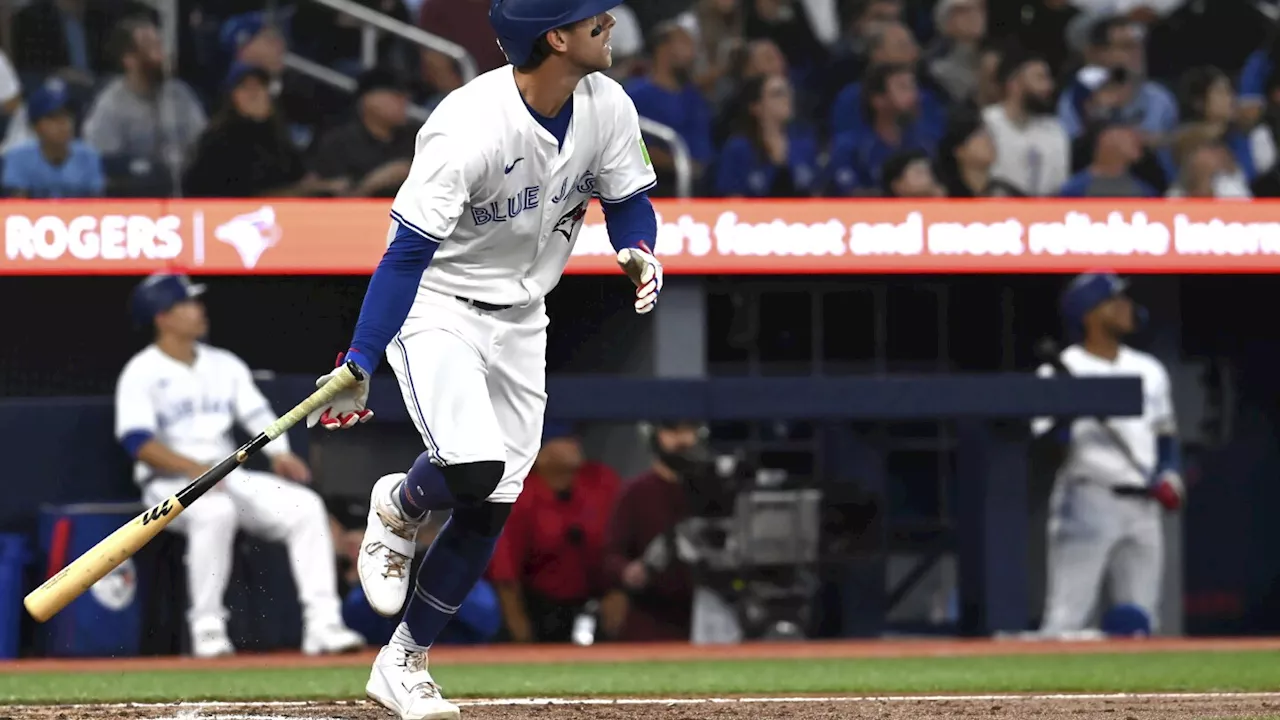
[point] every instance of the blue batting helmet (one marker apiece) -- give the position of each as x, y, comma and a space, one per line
1086, 292
519, 23
158, 293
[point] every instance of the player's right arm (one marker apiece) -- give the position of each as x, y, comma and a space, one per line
136, 424
424, 213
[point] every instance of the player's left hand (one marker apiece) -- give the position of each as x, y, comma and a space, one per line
1168, 490
645, 272
291, 467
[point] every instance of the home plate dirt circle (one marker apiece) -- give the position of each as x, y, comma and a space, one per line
1161, 706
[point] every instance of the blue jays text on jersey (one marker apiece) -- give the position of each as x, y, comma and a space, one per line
529, 199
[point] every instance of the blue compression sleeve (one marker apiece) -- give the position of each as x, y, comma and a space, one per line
1168, 454
390, 295
631, 222
134, 441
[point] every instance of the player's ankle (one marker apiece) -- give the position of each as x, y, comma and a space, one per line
400, 499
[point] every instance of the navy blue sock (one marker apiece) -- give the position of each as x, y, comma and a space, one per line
453, 565
424, 489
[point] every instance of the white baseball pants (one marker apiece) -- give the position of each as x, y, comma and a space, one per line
1092, 532
474, 382
266, 506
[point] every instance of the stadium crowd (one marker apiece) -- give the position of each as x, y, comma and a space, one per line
772, 98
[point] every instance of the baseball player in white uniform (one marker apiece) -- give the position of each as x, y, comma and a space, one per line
176, 403
481, 231
1104, 512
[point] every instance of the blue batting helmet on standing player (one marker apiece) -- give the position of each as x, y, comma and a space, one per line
519, 23
158, 293
1088, 291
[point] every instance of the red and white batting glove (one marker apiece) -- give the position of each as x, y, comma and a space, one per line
1168, 490
347, 408
645, 272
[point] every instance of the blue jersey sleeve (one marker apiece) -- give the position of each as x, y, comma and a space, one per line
631, 222
391, 291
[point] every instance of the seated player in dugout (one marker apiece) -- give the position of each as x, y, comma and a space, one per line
549, 560
648, 600
176, 403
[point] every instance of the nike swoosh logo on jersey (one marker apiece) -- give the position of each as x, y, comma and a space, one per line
507, 170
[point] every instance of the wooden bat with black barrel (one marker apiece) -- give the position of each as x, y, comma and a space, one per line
69, 583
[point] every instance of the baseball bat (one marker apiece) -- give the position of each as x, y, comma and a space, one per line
1047, 351
69, 583
634, 266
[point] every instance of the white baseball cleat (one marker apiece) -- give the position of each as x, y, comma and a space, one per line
401, 683
387, 549
209, 638
332, 638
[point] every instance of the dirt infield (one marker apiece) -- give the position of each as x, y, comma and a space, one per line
541, 654
994, 707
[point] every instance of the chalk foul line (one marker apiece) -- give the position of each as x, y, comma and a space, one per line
524, 702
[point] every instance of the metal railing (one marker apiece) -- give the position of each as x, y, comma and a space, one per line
374, 21
341, 81
679, 154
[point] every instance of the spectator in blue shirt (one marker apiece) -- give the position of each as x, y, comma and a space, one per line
668, 95
55, 164
891, 43
891, 109
769, 156
1110, 175
1120, 43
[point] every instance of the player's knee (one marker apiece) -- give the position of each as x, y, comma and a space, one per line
471, 483
485, 519
309, 506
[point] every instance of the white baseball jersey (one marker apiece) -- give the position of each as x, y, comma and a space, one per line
504, 200
191, 409
1093, 455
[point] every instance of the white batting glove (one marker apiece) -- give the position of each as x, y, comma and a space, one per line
645, 272
347, 408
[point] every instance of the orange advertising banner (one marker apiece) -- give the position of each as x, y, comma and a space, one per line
346, 237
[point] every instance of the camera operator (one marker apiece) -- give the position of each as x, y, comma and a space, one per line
547, 563
653, 584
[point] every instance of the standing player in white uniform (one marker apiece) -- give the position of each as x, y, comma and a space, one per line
1104, 513
481, 231
177, 401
